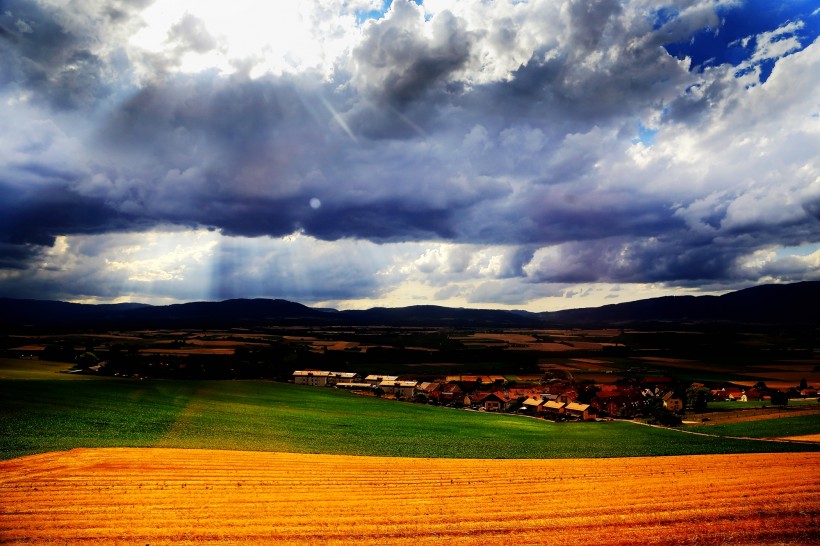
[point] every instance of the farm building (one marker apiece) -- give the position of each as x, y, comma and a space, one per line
400, 389
344, 377
581, 411
320, 378
376, 379
354, 386
314, 378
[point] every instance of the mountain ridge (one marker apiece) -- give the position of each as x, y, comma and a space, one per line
764, 304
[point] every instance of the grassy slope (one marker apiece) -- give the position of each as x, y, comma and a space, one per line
15, 368
41, 416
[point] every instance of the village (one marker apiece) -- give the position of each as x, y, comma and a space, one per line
660, 398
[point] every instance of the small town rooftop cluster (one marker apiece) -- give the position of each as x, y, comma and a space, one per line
552, 399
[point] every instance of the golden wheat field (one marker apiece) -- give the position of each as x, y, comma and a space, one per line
162, 496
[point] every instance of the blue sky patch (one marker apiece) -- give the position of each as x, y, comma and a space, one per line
734, 42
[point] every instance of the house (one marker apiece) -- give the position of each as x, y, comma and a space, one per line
672, 402
568, 396
581, 411
495, 401
427, 388
533, 405
720, 395
554, 408
754, 394
448, 394
619, 401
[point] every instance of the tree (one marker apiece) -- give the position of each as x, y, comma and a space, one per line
779, 398
86, 360
587, 391
659, 414
697, 397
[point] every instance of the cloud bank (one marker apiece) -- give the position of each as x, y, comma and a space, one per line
456, 152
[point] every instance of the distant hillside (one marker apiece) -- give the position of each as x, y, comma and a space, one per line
238, 312
770, 304
775, 303
432, 315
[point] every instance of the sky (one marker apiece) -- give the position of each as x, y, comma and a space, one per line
538, 155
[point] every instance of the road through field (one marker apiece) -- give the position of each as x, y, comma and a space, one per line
161, 496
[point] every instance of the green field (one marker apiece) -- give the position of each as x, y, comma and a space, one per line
48, 415
769, 428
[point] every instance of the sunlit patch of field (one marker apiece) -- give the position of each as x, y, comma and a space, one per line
29, 348
665, 360
525, 342
161, 496
334, 345
552, 347
223, 343
24, 368
592, 364
508, 338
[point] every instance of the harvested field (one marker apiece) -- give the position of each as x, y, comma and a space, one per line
804, 438
160, 496
504, 338
550, 347
335, 345
189, 351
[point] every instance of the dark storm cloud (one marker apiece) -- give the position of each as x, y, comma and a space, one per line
17, 256
656, 260
247, 156
55, 57
39, 217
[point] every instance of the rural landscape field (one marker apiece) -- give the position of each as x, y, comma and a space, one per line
519, 272
204, 435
